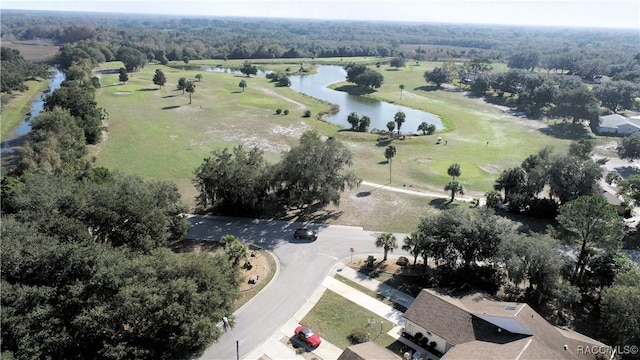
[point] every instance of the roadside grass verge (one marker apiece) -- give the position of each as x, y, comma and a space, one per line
334, 318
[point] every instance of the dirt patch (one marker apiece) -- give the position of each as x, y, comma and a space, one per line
270, 92
122, 93
424, 160
491, 169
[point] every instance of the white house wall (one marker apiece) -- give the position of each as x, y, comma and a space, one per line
412, 329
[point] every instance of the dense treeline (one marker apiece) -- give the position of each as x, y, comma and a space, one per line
205, 38
87, 272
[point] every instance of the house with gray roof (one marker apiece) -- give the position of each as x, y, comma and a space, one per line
476, 326
616, 124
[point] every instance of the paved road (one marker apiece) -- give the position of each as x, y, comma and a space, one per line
303, 266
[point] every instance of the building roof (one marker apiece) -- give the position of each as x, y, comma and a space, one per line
480, 327
367, 351
616, 120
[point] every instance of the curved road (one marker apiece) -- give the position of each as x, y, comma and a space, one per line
302, 266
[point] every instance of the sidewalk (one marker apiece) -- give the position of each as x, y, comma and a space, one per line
274, 348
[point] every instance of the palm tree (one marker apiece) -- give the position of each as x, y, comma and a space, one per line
199, 77
391, 125
414, 244
401, 88
455, 188
242, 84
454, 171
389, 153
190, 87
387, 241
399, 119
236, 251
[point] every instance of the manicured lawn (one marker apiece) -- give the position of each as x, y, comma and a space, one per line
19, 106
335, 318
157, 134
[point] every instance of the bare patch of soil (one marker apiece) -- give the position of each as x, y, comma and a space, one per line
122, 93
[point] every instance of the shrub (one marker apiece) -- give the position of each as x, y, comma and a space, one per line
278, 111
358, 336
307, 113
286, 112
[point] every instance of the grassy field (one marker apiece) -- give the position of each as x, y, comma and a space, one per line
19, 106
156, 133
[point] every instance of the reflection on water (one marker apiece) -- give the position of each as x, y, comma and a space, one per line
380, 112
37, 105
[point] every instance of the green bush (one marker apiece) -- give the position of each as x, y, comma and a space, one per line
358, 336
278, 111
286, 112
307, 113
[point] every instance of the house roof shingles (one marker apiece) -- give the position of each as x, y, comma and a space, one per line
472, 322
367, 351
615, 120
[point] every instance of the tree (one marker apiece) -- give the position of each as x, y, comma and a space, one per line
620, 314
512, 181
364, 123
455, 187
235, 249
525, 59
581, 149
199, 77
353, 119
399, 119
389, 153
629, 147
182, 84
79, 99
629, 187
398, 62
437, 76
284, 81
570, 177
464, 234
416, 245
391, 125
314, 172
454, 171
242, 85
589, 223
534, 258
190, 87
426, 128
388, 242
121, 305
236, 181
159, 78
131, 58
577, 103
401, 86
123, 77
616, 95
248, 69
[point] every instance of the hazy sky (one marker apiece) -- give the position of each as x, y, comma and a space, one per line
583, 13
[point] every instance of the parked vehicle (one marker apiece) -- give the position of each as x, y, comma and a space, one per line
308, 336
305, 233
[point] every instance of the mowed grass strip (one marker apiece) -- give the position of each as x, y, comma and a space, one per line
20, 106
334, 318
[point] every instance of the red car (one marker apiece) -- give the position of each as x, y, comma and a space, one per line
308, 336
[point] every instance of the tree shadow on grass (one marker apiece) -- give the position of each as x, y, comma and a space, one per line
383, 141
169, 96
428, 88
170, 107
148, 89
236, 92
568, 131
443, 203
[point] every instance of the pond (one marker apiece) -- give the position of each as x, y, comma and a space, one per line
380, 112
315, 85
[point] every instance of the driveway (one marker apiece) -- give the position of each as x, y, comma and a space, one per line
302, 267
